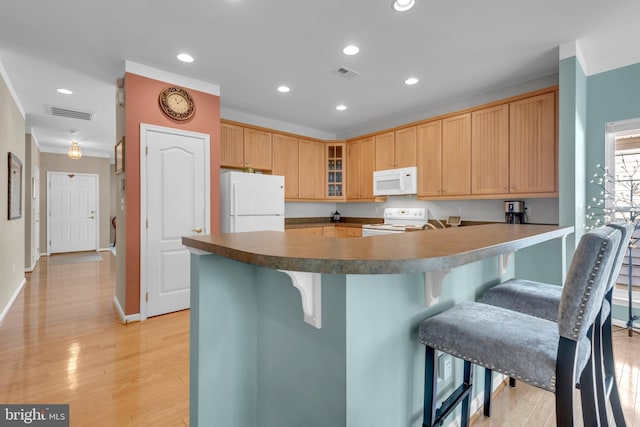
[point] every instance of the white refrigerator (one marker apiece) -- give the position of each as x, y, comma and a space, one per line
251, 202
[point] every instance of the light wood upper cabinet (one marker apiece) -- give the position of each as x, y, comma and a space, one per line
456, 155
311, 169
335, 171
385, 151
353, 166
429, 158
257, 149
405, 147
361, 162
396, 149
285, 161
231, 145
490, 150
532, 144
242, 147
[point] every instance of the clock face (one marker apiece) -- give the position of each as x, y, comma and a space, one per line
177, 103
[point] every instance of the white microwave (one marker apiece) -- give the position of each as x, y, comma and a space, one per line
393, 182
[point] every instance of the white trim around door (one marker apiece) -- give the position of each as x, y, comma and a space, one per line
154, 223
83, 209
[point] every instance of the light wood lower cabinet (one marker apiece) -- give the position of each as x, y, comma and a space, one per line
316, 231
353, 231
328, 231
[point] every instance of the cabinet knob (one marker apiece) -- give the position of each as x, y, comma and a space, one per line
197, 230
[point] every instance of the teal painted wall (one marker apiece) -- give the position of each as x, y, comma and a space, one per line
612, 96
255, 362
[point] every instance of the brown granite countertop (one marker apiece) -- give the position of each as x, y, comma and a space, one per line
390, 254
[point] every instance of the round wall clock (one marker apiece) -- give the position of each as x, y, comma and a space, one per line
177, 103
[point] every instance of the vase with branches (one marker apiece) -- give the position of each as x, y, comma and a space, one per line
618, 200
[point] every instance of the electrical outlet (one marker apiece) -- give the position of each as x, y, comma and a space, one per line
445, 366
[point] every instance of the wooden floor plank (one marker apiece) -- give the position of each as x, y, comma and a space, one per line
62, 342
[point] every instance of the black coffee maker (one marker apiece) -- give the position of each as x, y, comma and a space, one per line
514, 212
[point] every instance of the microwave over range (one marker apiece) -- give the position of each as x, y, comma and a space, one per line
393, 182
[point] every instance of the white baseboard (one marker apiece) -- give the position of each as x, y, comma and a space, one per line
104, 249
623, 324
124, 318
12, 300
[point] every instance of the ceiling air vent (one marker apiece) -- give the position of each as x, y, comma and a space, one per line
346, 73
72, 114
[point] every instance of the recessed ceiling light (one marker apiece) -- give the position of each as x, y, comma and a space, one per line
403, 5
411, 81
351, 50
64, 91
283, 89
185, 57
341, 107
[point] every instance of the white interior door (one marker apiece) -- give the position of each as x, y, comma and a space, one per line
174, 203
73, 212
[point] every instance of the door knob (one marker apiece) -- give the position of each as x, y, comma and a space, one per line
197, 230
91, 217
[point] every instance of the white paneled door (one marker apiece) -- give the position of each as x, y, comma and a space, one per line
73, 212
174, 203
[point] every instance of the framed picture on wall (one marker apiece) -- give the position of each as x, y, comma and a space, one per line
15, 187
119, 156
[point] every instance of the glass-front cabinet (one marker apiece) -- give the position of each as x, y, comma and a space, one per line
335, 182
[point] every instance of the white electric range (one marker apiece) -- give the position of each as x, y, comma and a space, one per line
397, 220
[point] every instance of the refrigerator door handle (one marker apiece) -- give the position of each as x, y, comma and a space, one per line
234, 198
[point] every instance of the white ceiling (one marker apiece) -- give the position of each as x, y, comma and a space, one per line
458, 49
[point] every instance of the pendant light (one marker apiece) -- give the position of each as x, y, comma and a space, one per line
74, 151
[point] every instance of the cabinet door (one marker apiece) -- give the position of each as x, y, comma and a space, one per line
456, 155
285, 162
335, 155
405, 147
257, 149
490, 150
354, 232
329, 231
353, 170
429, 158
319, 162
385, 151
312, 167
532, 146
231, 146
367, 166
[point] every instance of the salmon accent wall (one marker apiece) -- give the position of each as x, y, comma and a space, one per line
142, 107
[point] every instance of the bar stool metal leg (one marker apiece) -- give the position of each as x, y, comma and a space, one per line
430, 387
488, 389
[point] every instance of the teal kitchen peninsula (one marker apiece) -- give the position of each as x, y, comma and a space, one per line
302, 330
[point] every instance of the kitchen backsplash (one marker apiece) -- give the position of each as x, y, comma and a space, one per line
540, 211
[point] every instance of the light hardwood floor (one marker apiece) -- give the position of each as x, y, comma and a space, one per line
63, 342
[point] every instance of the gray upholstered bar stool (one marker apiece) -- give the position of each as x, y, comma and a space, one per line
540, 352
543, 299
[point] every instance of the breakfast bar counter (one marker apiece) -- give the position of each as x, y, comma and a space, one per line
291, 330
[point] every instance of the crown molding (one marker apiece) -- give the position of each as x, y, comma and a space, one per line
166, 76
12, 91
